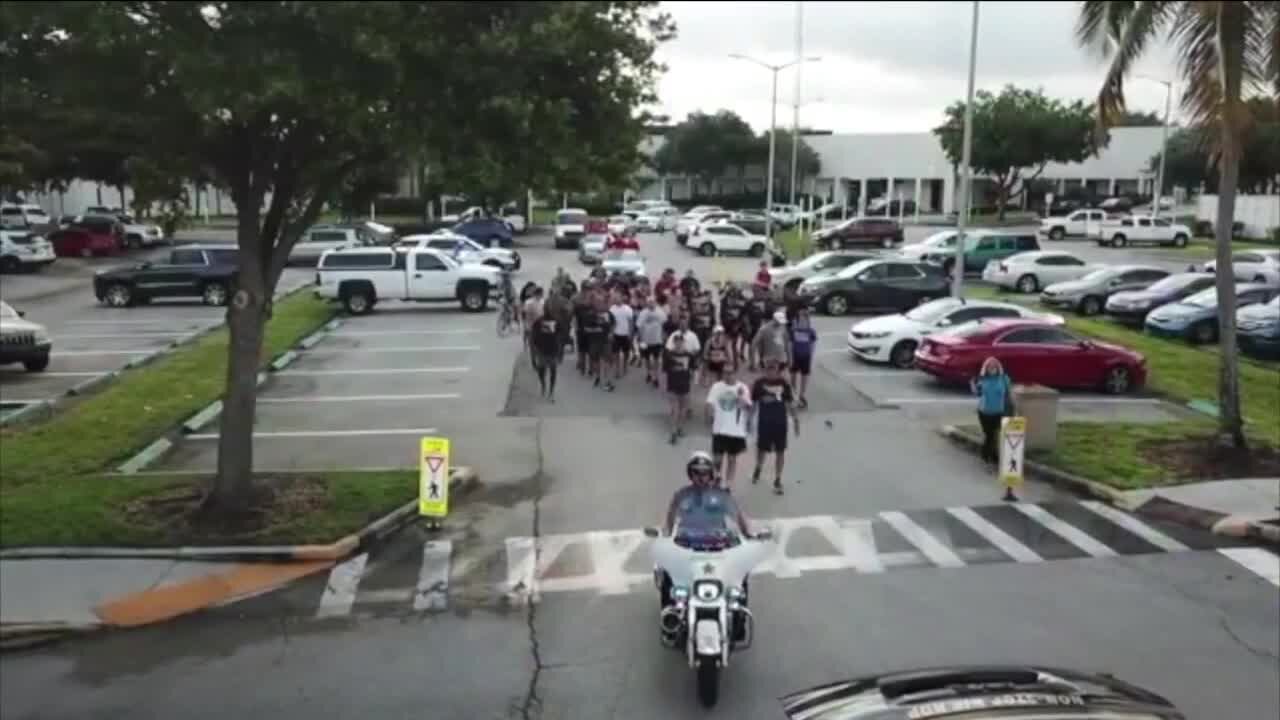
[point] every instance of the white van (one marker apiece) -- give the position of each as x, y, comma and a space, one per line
571, 225
22, 250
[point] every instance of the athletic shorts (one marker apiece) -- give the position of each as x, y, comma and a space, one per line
595, 346
772, 439
651, 352
727, 445
678, 385
802, 364
622, 343
716, 367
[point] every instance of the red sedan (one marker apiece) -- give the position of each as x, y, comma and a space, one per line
87, 238
1032, 352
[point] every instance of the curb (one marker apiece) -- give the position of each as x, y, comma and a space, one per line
86, 386
34, 412
1053, 475
202, 418
462, 479
283, 360
146, 456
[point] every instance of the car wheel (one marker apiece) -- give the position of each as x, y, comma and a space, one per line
214, 294
903, 355
1091, 305
10, 264
474, 300
707, 249
118, 295
757, 250
1119, 241
1204, 332
357, 303
1118, 380
36, 365
1180, 240
1028, 284
1057, 233
836, 305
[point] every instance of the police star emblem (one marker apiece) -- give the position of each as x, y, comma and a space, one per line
708, 569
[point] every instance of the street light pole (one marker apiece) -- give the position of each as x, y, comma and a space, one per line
966, 181
1164, 149
795, 107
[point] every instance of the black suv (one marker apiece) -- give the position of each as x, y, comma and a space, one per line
889, 284
207, 272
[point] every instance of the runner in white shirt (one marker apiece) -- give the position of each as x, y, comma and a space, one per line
728, 412
623, 328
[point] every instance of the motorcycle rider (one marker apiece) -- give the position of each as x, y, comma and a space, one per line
703, 515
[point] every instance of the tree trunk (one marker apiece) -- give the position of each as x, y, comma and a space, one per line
1230, 423
246, 320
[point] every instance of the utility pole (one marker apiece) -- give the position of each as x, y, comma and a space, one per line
795, 100
966, 181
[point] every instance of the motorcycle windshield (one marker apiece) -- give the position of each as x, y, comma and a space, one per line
730, 565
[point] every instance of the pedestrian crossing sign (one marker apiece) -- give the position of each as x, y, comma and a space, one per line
1013, 436
433, 477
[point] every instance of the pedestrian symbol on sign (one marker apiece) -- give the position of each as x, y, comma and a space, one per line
433, 484
1013, 433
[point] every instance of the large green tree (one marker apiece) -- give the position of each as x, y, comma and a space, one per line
706, 146
1016, 133
1227, 50
808, 163
283, 102
1192, 162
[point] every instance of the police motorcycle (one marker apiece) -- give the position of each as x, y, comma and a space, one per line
705, 612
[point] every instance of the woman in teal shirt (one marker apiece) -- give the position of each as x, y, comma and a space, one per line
995, 400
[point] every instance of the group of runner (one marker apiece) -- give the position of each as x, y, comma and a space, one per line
683, 334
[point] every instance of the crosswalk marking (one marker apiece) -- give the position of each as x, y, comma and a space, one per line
1065, 530
939, 554
340, 592
994, 535
522, 583
432, 592
1257, 561
1135, 526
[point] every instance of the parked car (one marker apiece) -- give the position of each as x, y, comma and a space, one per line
643, 206
1143, 230
1027, 272
1032, 352
23, 250
623, 262
23, 341
570, 226
1258, 329
1195, 319
982, 247
135, 234
369, 232
88, 237
690, 221
719, 238
319, 239
1132, 306
1258, 266
891, 208
591, 248
754, 223
488, 231
785, 214
821, 263
1077, 224
22, 216
511, 216
621, 225
881, 284
659, 219
1089, 294
894, 338
860, 231
938, 242
1119, 204
463, 249
361, 277
202, 271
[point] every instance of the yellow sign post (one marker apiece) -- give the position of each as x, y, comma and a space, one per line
1013, 436
433, 477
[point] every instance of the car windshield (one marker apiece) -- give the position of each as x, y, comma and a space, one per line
931, 312
1173, 282
1204, 298
571, 219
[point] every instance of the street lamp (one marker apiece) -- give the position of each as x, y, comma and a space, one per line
773, 127
966, 180
1164, 141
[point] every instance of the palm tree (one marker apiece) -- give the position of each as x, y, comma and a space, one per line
1226, 49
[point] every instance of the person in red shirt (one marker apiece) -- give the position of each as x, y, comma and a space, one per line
666, 283
762, 275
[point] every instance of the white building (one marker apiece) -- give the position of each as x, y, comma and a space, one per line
858, 167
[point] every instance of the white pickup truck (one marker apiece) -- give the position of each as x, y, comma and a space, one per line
361, 277
1143, 230
1081, 223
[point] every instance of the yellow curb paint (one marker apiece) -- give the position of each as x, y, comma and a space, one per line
169, 601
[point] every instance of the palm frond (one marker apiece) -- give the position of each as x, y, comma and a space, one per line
1101, 24
1147, 20
1264, 48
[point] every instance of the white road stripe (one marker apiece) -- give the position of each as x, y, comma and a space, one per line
125, 336
1067, 531
68, 374
938, 554
340, 592
357, 398
859, 546
323, 433
374, 350
377, 371
432, 592
80, 353
157, 321
1135, 526
522, 576
994, 535
370, 333
1264, 564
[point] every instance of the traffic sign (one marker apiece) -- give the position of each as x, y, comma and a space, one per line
1013, 436
433, 477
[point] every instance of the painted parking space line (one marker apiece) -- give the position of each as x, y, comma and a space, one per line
372, 350
356, 398
322, 433
374, 333
340, 592
1135, 526
1257, 561
1065, 530
377, 371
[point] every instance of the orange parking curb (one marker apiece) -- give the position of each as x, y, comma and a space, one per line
169, 601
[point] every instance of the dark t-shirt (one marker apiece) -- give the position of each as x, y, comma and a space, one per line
802, 341
757, 310
702, 319
771, 398
546, 339
678, 366
689, 286
594, 324
717, 353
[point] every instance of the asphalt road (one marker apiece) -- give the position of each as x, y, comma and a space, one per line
887, 559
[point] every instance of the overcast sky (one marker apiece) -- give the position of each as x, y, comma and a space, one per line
886, 66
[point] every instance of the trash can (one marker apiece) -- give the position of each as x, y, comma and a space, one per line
1039, 405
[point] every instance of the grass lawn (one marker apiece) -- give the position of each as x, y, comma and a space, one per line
137, 510
140, 406
794, 244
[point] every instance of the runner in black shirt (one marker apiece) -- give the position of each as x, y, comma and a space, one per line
678, 362
594, 326
772, 397
581, 319
733, 318
702, 318
547, 345
758, 310
689, 285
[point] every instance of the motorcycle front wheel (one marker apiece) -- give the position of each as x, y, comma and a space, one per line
708, 682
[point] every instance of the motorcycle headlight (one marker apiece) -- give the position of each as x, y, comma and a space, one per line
708, 590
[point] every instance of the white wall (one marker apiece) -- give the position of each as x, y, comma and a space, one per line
1259, 213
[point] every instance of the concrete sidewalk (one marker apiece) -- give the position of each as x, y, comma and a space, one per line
1244, 508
